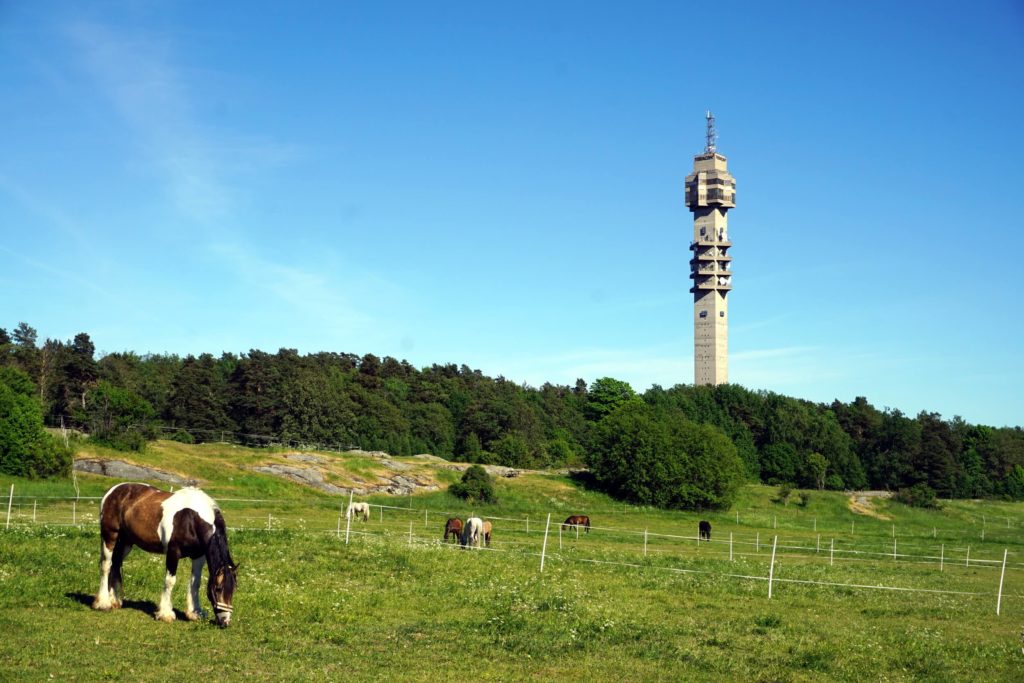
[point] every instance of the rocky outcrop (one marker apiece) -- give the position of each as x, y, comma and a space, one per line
309, 476
397, 485
119, 469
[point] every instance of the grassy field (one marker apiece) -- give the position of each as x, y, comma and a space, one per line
394, 603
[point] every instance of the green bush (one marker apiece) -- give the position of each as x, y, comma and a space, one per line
26, 450
784, 494
658, 457
918, 496
476, 486
181, 436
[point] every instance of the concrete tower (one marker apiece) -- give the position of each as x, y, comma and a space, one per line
710, 193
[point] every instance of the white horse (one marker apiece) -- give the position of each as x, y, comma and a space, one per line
358, 509
472, 532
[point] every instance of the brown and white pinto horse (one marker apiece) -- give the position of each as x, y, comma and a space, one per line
454, 527
577, 521
186, 523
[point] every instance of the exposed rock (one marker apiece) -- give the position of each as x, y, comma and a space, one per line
368, 454
493, 470
392, 465
303, 475
398, 485
305, 457
119, 469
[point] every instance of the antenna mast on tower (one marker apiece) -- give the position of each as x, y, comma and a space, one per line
712, 135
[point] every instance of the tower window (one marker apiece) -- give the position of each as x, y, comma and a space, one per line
703, 314
721, 314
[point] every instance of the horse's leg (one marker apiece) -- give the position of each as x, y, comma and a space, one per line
121, 550
165, 612
107, 544
193, 611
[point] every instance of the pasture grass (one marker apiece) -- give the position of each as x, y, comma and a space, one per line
383, 607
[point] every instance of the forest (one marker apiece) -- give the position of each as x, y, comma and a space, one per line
342, 401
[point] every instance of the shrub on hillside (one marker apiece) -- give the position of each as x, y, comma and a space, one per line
26, 450
476, 485
660, 458
918, 496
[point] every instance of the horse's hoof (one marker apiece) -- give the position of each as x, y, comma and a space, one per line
167, 617
102, 606
194, 616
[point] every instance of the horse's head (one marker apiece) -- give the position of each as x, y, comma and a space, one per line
220, 589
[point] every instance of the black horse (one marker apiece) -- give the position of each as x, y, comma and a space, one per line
704, 529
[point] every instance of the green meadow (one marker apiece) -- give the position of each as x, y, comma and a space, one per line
886, 593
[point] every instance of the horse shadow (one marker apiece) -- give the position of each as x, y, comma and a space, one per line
145, 606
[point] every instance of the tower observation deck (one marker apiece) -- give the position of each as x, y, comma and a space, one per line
710, 193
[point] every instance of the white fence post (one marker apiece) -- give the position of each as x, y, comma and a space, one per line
817, 548
757, 542
34, 511
527, 523
999, 600
544, 548
10, 499
832, 552
730, 546
424, 517
815, 523
942, 556
559, 537
894, 549
74, 513
410, 532
771, 568
348, 517
968, 561
645, 542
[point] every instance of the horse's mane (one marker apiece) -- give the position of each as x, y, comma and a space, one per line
217, 553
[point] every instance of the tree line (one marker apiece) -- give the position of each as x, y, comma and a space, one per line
349, 401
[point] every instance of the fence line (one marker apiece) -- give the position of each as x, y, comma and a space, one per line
329, 503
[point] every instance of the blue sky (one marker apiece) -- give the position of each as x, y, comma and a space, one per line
502, 186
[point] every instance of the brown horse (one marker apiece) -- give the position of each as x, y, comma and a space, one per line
577, 521
454, 527
487, 533
186, 523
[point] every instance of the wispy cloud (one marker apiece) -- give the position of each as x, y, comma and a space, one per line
139, 73
202, 168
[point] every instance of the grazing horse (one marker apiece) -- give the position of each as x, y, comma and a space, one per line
577, 521
186, 523
704, 529
358, 509
472, 532
454, 527
487, 534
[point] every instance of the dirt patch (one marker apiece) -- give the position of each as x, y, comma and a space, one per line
862, 503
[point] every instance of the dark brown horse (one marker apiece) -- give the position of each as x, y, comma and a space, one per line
186, 523
454, 527
577, 521
704, 530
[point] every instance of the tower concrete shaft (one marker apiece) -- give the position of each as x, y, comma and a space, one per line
710, 193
